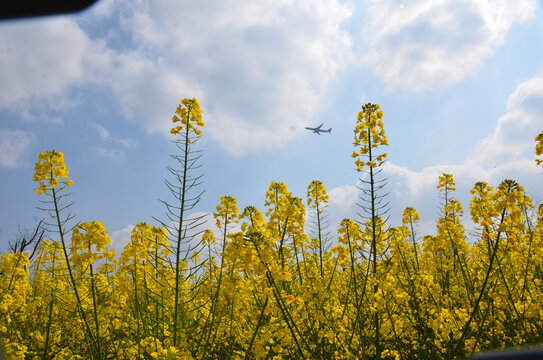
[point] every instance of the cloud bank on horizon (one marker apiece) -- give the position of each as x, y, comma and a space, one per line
510, 147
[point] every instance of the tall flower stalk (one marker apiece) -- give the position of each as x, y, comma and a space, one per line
52, 174
369, 135
317, 199
88, 248
181, 227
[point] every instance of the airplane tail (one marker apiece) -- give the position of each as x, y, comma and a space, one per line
329, 130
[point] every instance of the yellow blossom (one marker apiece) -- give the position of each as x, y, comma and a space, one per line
50, 167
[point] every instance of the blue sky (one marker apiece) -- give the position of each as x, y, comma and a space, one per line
460, 84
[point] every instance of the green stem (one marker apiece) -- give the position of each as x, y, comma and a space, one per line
137, 305
260, 317
70, 273
374, 246
282, 307
98, 344
180, 231
482, 292
320, 236
20, 255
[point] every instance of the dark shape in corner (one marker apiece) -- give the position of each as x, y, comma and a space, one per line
10, 9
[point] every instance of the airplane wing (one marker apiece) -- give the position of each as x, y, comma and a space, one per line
318, 130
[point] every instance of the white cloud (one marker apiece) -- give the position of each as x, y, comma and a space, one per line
149, 91
342, 200
259, 68
44, 57
343, 196
105, 135
415, 182
514, 136
13, 147
425, 45
507, 153
114, 154
120, 238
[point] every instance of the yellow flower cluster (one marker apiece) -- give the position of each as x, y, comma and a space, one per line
316, 194
227, 211
208, 238
410, 215
446, 183
539, 148
50, 167
188, 116
369, 133
265, 291
87, 235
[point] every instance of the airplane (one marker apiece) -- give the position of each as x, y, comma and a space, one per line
318, 129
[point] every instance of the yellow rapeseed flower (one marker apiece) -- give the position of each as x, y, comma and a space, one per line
188, 114
227, 210
539, 148
369, 133
50, 167
316, 194
446, 183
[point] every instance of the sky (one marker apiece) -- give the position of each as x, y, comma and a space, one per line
460, 83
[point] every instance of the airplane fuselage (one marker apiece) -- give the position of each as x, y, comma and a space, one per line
318, 130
